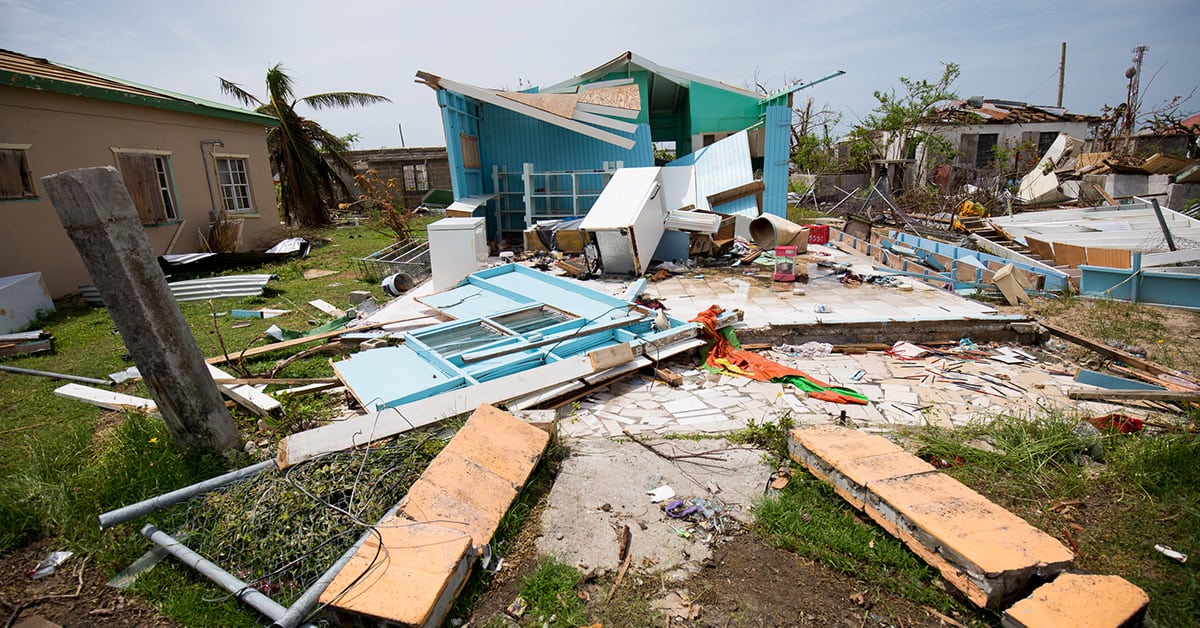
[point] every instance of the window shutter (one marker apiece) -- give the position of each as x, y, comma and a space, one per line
470, 150
141, 179
12, 181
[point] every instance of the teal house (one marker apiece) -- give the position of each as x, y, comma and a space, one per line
543, 153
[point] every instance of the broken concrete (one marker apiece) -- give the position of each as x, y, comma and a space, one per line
410, 573
1079, 600
604, 483
988, 553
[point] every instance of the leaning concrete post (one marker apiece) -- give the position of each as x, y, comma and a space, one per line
101, 220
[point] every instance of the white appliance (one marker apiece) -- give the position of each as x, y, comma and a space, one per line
627, 220
456, 248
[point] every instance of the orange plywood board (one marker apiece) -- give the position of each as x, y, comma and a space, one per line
1069, 255
557, 104
1109, 258
622, 97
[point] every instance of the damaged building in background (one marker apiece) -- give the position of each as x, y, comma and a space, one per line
978, 128
519, 158
184, 160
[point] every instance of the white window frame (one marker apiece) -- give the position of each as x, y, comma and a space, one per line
416, 177
228, 191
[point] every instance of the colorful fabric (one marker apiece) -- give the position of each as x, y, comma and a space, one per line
724, 354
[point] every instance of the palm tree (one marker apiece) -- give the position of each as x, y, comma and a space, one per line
306, 157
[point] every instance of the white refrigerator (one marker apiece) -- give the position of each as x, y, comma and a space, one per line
627, 220
457, 246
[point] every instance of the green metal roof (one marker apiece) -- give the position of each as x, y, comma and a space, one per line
18, 70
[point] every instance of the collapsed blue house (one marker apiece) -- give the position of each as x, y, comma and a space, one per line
547, 153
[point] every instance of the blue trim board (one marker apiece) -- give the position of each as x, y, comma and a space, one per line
1139, 285
1112, 382
392, 376
1054, 280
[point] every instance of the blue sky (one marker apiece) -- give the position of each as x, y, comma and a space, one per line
1006, 50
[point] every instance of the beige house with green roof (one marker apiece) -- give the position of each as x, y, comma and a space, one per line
183, 160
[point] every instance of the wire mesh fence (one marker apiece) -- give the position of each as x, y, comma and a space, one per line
278, 531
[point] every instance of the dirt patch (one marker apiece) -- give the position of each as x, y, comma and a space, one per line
744, 583
75, 595
748, 583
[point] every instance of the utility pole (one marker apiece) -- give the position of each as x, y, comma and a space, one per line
1132, 101
1062, 72
101, 220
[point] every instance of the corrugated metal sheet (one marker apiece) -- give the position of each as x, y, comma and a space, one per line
724, 165
775, 161
200, 289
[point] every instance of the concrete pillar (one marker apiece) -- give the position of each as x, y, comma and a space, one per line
102, 222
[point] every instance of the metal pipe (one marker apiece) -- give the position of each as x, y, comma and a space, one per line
145, 507
71, 378
242, 591
308, 600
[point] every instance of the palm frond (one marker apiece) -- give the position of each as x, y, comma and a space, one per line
229, 88
343, 99
279, 86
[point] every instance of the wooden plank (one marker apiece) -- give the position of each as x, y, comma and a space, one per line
1105, 195
1069, 254
609, 357
1155, 395
106, 399
734, 193
246, 396
1109, 258
1039, 248
278, 381
364, 429
1110, 352
287, 344
673, 379
327, 308
597, 120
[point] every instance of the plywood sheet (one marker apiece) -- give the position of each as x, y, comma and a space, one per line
623, 97
1041, 249
1069, 254
1159, 163
557, 104
1109, 258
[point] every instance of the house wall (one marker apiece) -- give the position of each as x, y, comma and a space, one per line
965, 139
390, 163
1009, 136
70, 132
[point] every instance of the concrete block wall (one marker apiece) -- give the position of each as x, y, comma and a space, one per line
988, 553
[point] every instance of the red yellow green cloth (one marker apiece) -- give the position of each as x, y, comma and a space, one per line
724, 354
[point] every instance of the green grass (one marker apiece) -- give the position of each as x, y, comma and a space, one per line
808, 518
1147, 491
63, 462
550, 593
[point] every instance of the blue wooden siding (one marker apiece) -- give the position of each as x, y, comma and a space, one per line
509, 139
460, 115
